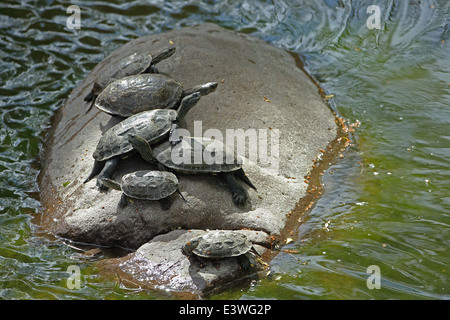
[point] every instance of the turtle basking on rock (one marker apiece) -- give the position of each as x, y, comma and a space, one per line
221, 244
136, 63
143, 92
181, 156
152, 125
146, 185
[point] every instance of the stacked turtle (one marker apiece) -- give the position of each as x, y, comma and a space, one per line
152, 105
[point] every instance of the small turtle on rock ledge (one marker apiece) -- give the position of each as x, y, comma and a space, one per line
221, 244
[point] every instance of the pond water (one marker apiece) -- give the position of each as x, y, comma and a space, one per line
386, 205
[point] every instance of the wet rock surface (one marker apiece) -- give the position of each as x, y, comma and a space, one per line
162, 264
261, 93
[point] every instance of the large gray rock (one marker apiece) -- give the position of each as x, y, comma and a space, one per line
260, 88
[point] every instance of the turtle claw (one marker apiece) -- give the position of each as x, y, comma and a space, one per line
239, 199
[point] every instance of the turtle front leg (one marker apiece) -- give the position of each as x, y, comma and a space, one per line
174, 138
238, 192
244, 262
202, 261
165, 203
107, 172
123, 201
151, 69
98, 166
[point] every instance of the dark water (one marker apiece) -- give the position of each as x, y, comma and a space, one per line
386, 202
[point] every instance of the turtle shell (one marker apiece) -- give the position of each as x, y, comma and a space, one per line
198, 155
151, 125
131, 65
142, 92
149, 185
222, 244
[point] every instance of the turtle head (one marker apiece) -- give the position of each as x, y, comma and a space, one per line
167, 53
110, 184
186, 104
142, 146
207, 88
191, 245
203, 89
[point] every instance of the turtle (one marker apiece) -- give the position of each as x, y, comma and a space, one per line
142, 92
133, 64
220, 244
146, 185
182, 155
153, 125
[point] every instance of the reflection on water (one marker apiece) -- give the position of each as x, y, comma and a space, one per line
386, 202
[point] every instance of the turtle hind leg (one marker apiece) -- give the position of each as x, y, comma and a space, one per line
248, 260
98, 166
151, 69
237, 191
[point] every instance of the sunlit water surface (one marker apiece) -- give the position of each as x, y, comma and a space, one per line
386, 202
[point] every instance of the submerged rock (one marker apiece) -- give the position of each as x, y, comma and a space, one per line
264, 103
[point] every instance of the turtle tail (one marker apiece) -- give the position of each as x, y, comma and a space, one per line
89, 97
241, 175
98, 166
90, 105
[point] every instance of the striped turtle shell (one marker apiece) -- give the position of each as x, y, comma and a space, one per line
131, 65
198, 155
151, 125
222, 244
137, 93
